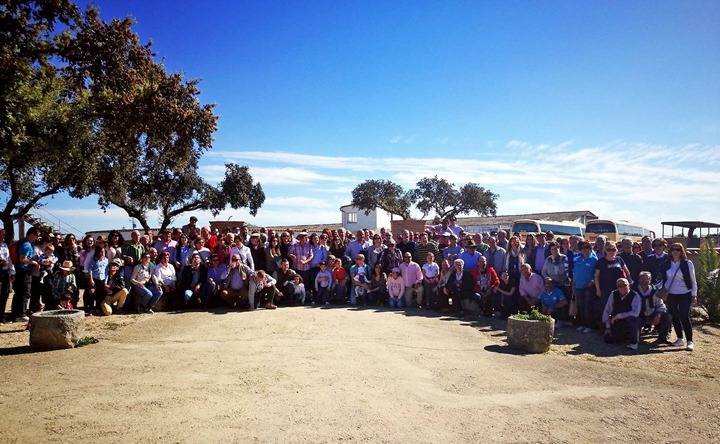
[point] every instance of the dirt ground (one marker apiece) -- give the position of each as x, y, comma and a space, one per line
350, 375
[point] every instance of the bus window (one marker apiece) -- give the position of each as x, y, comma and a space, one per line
525, 227
601, 228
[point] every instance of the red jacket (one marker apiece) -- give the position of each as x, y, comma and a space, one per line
492, 278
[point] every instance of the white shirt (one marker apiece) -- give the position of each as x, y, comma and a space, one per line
675, 283
165, 274
5, 256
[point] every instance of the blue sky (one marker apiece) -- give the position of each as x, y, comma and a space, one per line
608, 106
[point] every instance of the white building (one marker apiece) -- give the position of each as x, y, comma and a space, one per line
354, 219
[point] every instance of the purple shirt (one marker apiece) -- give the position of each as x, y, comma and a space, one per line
302, 252
532, 286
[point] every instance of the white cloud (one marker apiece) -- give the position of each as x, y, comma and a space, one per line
396, 139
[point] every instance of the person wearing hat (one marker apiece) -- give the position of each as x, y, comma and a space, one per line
187, 229
323, 283
470, 256
301, 254
63, 285
114, 288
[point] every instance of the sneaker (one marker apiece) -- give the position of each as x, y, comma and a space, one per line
587, 330
150, 311
312, 303
679, 342
690, 346
327, 304
632, 346
270, 306
22, 319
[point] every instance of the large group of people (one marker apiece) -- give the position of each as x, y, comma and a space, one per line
619, 291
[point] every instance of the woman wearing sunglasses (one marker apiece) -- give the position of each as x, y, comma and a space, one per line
680, 289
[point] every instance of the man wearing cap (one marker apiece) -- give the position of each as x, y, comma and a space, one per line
413, 278
63, 284
453, 250
115, 289
301, 255
187, 229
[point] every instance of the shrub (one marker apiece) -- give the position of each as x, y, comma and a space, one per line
534, 315
708, 280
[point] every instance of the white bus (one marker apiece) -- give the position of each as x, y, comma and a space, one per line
564, 228
616, 230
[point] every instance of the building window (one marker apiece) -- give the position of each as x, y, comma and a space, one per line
352, 218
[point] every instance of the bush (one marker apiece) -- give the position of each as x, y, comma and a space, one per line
534, 315
708, 280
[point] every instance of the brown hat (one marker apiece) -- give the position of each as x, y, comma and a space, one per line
471, 244
67, 266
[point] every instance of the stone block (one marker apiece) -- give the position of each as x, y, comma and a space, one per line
56, 329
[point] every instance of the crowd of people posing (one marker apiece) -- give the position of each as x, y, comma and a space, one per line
643, 287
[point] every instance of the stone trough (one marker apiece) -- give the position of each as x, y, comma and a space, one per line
530, 335
56, 329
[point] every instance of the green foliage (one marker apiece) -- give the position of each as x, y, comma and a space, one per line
88, 110
86, 340
708, 280
432, 194
383, 194
534, 315
441, 196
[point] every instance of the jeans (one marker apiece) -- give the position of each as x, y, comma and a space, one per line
396, 303
199, 297
679, 308
148, 295
584, 298
323, 294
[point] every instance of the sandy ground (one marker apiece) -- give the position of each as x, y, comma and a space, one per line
350, 375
